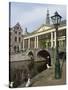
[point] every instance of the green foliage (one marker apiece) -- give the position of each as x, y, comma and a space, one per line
42, 43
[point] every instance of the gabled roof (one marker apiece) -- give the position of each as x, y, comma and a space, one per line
17, 26
42, 28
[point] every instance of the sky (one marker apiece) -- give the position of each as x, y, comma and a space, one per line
33, 15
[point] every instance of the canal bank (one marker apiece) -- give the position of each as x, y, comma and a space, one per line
46, 78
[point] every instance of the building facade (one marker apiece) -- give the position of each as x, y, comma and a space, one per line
15, 38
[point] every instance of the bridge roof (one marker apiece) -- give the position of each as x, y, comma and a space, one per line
45, 28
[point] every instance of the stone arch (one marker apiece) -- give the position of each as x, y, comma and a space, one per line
31, 64
46, 55
31, 55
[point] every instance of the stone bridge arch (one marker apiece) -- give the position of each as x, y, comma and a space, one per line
30, 53
43, 53
35, 53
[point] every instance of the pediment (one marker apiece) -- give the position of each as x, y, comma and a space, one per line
43, 28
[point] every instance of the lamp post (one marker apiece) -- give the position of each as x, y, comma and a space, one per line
56, 19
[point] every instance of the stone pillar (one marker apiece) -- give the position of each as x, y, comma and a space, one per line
23, 44
37, 41
55, 39
28, 43
51, 39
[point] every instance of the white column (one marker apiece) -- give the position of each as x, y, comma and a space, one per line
23, 44
29, 43
37, 41
51, 39
55, 39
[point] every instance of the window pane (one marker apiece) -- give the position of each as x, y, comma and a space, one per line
15, 39
19, 39
19, 33
15, 32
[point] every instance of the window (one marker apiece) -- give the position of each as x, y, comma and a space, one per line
15, 49
15, 32
22, 44
19, 39
15, 39
19, 33
16, 27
